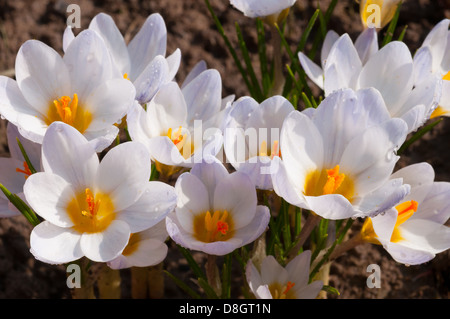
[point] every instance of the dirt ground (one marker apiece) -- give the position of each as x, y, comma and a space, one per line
191, 29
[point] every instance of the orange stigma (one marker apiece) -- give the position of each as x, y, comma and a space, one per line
91, 204
177, 138
26, 170
334, 180
67, 108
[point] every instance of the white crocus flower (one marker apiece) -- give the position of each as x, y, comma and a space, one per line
216, 212
144, 249
414, 231
14, 171
89, 207
252, 135
390, 70
433, 58
337, 159
79, 89
181, 125
273, 281
274, 10
143, 60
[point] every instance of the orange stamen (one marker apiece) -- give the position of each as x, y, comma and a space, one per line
26, 170
289, 286
91, 203
334, 180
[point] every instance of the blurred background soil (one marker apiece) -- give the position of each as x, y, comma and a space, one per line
191, 29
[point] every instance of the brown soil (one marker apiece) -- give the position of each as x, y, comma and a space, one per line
191, 29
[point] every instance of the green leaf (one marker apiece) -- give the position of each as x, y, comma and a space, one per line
417, 136
183, 286
391, 29
25, 156
192, 263
209, 291
21, 206
331, 290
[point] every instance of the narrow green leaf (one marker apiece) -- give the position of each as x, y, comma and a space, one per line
331, 289
392, 25
226, 277
248, 64
23, 208
402, 35
230, 47
25, 156
192, 263
209, 291
418, 135
183, 286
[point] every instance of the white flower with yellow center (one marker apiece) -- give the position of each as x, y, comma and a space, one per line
144, 249
274, 10
390, 70
79, 89
414, 231
433, 58
377, 13
90, 208
143, 60
273, 281
181, 125
252, 135
14, 171
337, 159
216, 212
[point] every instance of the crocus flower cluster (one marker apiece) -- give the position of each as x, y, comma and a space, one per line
213, 173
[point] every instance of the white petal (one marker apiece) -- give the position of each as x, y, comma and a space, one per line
156, 202
203, 96
347, 65
151, 79
255, 228
12, 101
311, 291
65, 152
367, 44
68, 36
435, 41
298, 268
210, 174
9, 177
333, 206
49, 194
193, 199
89, 63
106, 245
173, 61
301, 146
435, 206
149, 42
328, 42
109, 102
312, 70
41, 74
272, 271
33, 150
237, 195
254, 8
123, 173
390, 71
53, 244
147, 253
195, 71
423, 64
416, 174
104, 25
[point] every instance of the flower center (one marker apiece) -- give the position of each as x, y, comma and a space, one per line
26, 170
329, 181
91, 213
70, 112
211, 228
274, 151
282, 292
405, 210
181, 142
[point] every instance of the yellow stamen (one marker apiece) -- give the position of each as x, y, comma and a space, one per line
26, 170
284, 292
211, 228
446, 77
125, 76
181, 142
329, 181
263, 149
68, 111
91, 212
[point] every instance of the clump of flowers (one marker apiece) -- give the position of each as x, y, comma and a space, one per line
116, 163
